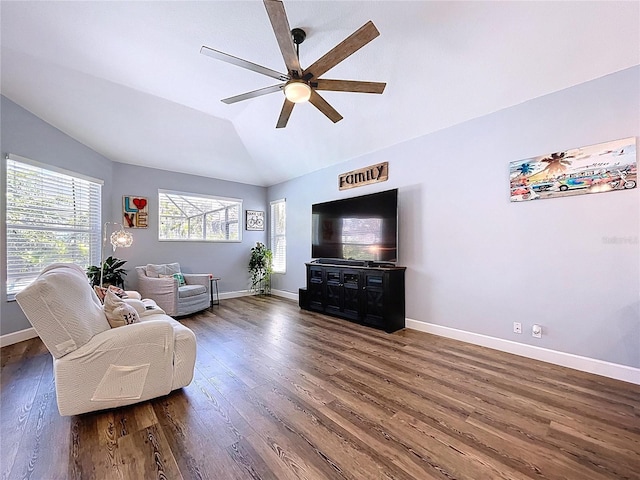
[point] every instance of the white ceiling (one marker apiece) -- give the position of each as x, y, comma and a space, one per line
127, 79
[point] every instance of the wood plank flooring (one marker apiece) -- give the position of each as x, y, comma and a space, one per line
283, 394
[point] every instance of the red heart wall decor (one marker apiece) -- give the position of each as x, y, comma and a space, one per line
140, 203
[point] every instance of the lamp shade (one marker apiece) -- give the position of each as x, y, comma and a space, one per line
120, 239
297, 91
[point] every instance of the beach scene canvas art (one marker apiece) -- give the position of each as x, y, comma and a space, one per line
605, 167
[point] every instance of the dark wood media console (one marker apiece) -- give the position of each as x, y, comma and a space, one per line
369, 295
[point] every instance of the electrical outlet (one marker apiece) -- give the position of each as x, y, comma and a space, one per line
536, 331
517, 327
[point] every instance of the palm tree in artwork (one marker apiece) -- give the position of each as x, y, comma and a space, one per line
525, 169
557, 164
522, 172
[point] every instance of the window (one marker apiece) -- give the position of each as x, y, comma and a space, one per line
52, 216
278, 229
188, 216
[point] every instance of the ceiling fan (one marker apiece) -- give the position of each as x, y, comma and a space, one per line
301, 85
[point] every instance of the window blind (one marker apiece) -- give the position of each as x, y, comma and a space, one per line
278, 230
52, 216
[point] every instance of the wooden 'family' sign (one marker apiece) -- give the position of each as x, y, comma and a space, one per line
364, 176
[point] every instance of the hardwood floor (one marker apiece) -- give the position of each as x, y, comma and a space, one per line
279, 393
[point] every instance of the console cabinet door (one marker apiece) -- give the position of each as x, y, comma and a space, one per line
315, 287
351, 294
333, 281
343, 293
373, 302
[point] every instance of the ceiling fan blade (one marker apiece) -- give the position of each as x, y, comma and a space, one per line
280, 25
349, 45
287, 108
322, 105
349, 86
225, 57
253, 94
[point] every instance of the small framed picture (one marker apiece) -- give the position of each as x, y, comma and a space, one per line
255, 220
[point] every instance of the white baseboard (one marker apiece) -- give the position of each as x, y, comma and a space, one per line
584, 364
15, 337
239, 293
285, 294
247, 293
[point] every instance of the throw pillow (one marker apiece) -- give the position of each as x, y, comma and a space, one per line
118, 312
180, 278
118, 291
101, 292
164, 269
154, 271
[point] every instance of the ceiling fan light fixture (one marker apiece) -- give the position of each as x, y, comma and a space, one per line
297, 91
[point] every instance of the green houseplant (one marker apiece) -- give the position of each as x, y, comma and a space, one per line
260, 269
113, 272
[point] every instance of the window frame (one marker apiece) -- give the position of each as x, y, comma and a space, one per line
273, 235
93, 226
237, 201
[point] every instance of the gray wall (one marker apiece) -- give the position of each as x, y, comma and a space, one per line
26, 135
477, 262
226, 260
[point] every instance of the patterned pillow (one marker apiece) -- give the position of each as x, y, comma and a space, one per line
118, 291
101, 292
118, 312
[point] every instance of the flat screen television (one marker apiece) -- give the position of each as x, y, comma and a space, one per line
358, 228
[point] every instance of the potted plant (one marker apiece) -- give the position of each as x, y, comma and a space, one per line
260, 269
113, 273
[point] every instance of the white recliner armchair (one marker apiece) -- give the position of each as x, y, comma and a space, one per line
96, 366
161, 283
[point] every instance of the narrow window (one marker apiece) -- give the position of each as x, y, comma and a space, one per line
278, 228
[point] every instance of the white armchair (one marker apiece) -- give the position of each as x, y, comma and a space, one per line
157, 282
96, 366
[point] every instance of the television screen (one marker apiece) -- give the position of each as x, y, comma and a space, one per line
358, 228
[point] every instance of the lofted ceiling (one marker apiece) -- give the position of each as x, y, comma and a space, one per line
126, 78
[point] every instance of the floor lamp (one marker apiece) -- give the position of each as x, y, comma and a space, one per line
118, 238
